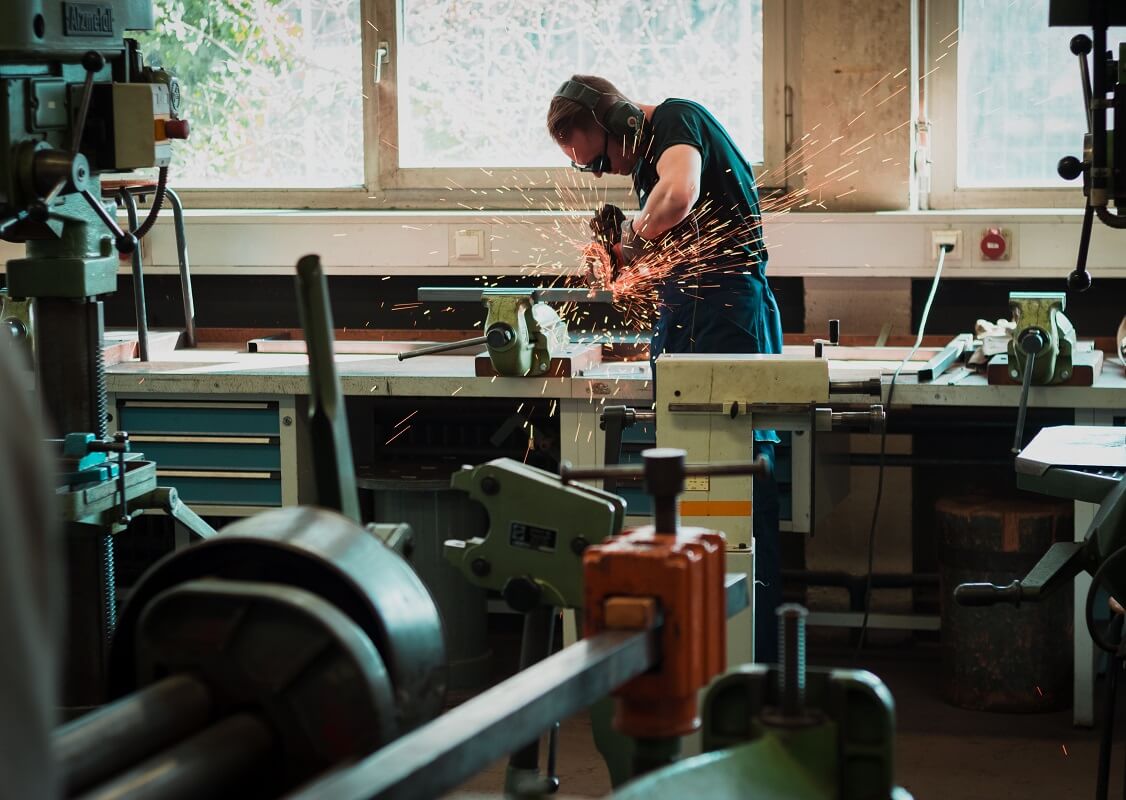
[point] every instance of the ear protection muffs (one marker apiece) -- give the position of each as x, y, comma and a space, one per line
616, 114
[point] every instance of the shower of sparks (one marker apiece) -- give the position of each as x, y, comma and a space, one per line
822, 163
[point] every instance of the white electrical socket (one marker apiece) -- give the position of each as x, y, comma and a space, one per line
947, 237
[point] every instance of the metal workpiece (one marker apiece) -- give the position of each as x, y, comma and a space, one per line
333, 470
442, 754
874, 420
538, 530
455, 294
94, 747
325, 554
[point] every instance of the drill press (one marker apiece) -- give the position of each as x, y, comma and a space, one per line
77, 101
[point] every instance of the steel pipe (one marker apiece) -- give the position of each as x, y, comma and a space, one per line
210, 764
94, 747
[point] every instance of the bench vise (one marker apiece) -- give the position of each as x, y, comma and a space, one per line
522, 332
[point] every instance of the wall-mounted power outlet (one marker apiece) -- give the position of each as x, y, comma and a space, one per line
947, 237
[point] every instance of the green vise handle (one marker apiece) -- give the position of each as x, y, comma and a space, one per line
538, 530
1044, 338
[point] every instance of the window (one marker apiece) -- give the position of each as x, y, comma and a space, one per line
270, 87
441, 103
475, 76
1006, 103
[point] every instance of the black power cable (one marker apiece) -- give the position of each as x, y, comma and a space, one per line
942, 251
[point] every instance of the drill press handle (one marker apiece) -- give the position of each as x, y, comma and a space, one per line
1062, 562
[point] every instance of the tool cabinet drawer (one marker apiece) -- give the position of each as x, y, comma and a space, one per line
224, 487
214, 452
210, 452
199, 417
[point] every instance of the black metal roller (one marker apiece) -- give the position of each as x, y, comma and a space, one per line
328, 555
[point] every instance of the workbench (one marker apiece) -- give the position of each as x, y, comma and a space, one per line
253, 400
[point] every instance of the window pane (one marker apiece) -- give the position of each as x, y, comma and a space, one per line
271, 89
1020, 102
476, 76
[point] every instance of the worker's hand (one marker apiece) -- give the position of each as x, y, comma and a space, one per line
1116, 607
606, 225
629, 248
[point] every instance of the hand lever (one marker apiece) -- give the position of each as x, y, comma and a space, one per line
987, 594
125, 242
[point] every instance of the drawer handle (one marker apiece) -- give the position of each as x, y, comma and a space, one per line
143, 438
189, 406
204, 473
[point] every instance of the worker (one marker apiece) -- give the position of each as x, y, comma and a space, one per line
699, 232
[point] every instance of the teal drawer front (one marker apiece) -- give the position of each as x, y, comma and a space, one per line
144, 416
640, 433
216, 490
261, 453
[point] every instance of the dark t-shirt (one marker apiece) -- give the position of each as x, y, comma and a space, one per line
727, 266
717, 300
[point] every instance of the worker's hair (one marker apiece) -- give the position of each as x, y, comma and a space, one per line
565, 115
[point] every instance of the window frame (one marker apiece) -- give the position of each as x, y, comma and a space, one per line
386, 186
941, 92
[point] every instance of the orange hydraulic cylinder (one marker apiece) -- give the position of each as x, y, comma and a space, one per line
684, 574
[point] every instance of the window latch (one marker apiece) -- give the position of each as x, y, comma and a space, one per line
382, 56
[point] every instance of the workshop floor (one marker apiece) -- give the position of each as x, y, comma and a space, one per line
942, 752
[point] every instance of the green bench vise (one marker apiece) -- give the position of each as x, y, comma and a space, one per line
785, 731
522, 332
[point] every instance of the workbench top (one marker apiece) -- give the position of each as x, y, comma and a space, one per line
229, 369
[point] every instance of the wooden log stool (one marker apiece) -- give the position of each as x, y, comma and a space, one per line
1003, 658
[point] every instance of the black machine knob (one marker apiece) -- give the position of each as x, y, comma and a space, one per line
500, 335
1079, 281
1069, 168
522, 594
1081, 45
1033, 341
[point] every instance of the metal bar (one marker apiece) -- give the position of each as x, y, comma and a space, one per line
205, 765
138, 278
94, 747
341, 346
468, 294
442, 754
853, 619
443, 347
333, 468
185, 268
758, 467
535, 645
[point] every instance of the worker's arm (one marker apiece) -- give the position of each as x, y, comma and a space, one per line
675, 193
